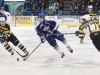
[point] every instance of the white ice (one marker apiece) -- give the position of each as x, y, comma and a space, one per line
46, 61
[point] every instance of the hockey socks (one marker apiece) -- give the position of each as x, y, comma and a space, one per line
68, 46
8, 48
63, 40
22, 47
59, 51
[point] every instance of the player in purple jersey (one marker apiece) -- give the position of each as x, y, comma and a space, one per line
47, 30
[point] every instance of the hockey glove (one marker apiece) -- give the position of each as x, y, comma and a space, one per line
3, 39
49, 33
42, 39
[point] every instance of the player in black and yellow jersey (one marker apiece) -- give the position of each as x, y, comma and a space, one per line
93, 28
95, 20
7, 36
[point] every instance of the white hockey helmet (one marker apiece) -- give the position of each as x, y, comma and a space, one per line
86, 17
90, 7
2, 19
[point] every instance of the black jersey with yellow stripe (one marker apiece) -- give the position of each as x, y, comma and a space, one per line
5, 30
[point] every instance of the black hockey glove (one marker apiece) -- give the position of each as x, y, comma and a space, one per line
76, 33
3, 39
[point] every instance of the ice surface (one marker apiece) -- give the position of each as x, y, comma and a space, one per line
46, 61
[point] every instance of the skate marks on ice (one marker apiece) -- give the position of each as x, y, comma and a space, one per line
46, 61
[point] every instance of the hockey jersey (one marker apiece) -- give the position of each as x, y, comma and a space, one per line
5, 30
44, 27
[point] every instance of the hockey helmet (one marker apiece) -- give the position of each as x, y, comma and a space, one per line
2, 19
90, 7
1, 8
41, 15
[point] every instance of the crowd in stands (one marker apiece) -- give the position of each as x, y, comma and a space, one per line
55, 7
81, 6
49, 7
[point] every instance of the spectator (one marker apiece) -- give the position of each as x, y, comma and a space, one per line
39, 4
26, 4
61, 1
61, 9
73, 8
31, 4
56, 3
56, 9
19, 8
98, 1
45, 4
79, 1
91, 2
28, 9
36, 5
33, 7
82, 9
51, 9
74, 1
83, 3
53, 1
96, 7
86, 8
77, 8
43, 7
88, 3
46, 12
37, 11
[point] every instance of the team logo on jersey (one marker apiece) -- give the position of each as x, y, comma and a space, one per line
46, 28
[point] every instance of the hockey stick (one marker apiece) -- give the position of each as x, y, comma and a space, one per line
63, 34
68, 33
19, 53
31, 52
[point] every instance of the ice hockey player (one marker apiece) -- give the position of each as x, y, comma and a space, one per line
48, 30
7, 36
94, 30
81, 27
5, 14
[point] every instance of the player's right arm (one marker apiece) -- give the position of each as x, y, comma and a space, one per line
39, 33
6, 31
38, 30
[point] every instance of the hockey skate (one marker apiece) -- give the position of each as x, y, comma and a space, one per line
70, 49
81, 41
62, 55
26, 54
12, 53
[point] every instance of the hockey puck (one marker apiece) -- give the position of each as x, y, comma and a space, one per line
17, 59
